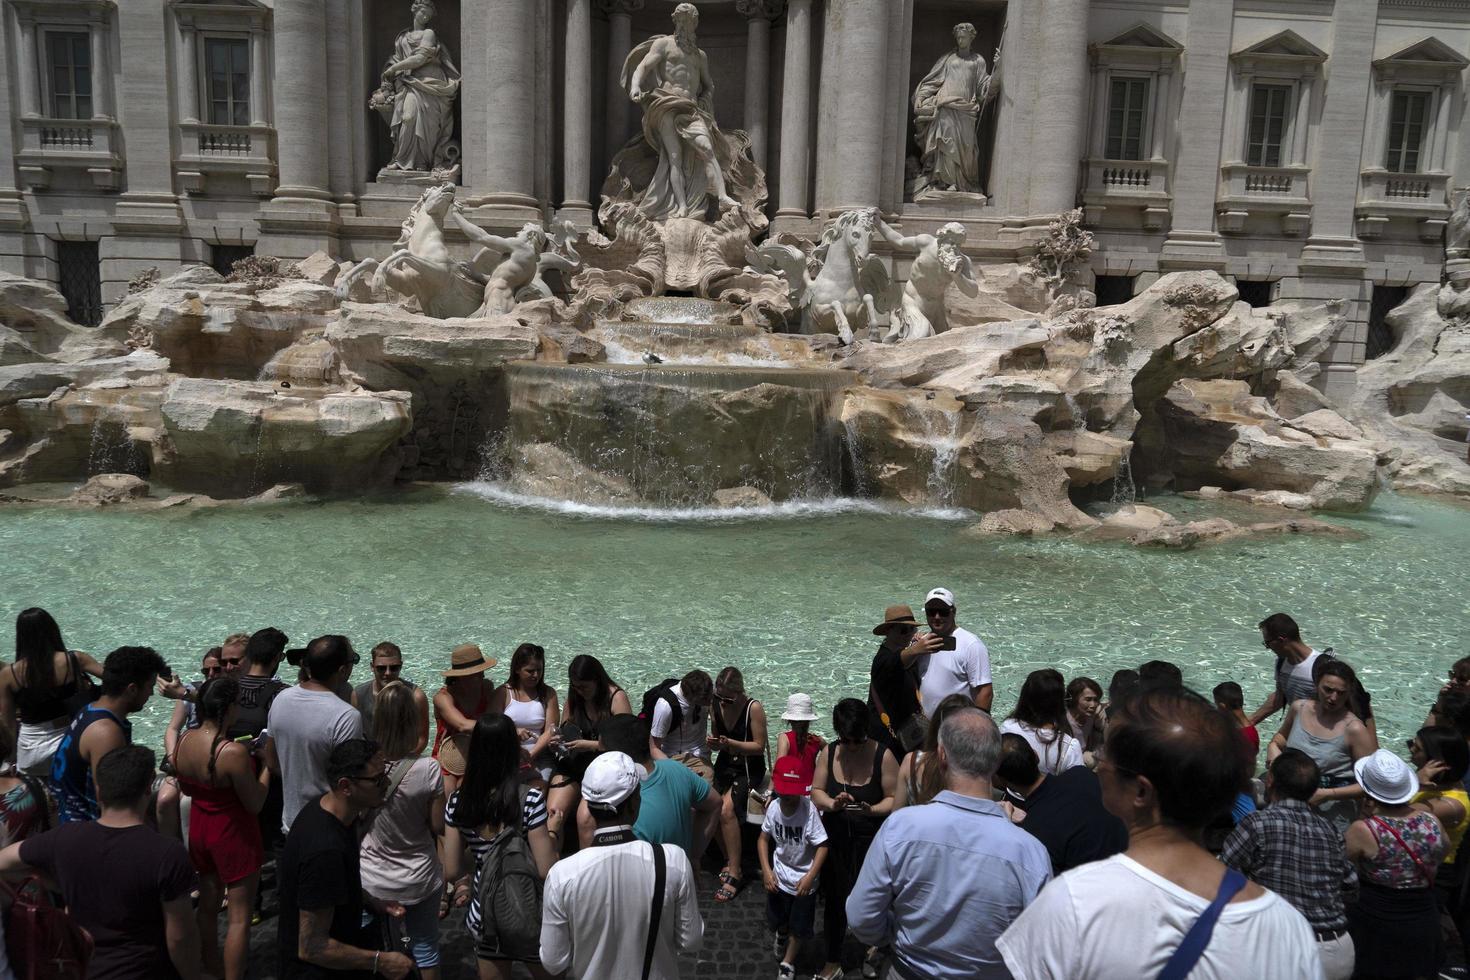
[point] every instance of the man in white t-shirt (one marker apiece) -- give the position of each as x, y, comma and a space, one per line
684, 742
1171, 765
307, 721
964, 668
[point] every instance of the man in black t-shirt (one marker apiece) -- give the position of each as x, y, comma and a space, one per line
123, 882
893, 683
1065, 811
321, 932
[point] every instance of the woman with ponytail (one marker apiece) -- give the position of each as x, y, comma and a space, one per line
228, 789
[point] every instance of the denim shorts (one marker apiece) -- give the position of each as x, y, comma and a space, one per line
792, 914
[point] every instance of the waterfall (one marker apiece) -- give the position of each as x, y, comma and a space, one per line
1124, 492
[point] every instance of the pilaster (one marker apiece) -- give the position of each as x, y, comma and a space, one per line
577, 116
794, 178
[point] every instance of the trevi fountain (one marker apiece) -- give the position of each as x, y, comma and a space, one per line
676, 431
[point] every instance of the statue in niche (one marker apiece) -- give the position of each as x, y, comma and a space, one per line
416, 98
1457, 232
501, 274
948, 105
682, 159
921, 312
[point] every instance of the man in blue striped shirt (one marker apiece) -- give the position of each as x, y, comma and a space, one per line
942, 881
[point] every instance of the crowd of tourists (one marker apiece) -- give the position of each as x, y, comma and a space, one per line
1136, 831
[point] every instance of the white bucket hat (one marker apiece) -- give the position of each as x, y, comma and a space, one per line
799, 708
1386, 778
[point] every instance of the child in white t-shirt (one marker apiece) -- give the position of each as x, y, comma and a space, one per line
790, 875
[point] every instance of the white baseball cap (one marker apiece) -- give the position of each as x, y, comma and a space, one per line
942, 595
610, 779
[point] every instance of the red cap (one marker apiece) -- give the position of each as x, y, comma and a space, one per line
788, 779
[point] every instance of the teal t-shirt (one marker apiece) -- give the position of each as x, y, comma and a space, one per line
667, 796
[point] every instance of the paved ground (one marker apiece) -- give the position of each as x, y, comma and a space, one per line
737, 942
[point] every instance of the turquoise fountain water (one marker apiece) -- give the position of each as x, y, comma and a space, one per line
789, 593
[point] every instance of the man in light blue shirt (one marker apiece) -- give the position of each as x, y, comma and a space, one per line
942, 881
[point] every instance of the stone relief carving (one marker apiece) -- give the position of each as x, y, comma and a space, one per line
416, 99
948, 106
921, 311
682, 160
842, 285
1457, 233
503, 272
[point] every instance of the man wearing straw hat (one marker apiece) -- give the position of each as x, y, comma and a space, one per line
897, 718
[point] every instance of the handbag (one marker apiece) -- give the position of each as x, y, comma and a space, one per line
43, 941
86, 690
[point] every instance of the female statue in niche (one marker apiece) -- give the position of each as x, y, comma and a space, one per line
947, 107
420, 84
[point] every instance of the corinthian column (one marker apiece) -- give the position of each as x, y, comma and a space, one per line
1060, 131
851, 147
499, 44
301, 119
619, 45
758, 71
796, 113
576, 149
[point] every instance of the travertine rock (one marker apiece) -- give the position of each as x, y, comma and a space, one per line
1293, 397
544, 470
38, 379
232, 438
319, 268
1020, 523
1413, 400
746, 497
108, 489
384, 347
36, 312
1222, 435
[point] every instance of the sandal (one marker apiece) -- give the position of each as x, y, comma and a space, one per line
729, 887
836, 974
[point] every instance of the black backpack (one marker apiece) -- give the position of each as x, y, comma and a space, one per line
664, 691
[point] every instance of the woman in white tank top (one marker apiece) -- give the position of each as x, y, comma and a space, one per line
528, 702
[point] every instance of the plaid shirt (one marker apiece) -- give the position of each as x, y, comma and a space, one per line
1296, 852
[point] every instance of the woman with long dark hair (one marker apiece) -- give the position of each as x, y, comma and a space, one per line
1327, 728
1040, 717
526, 699
492, 797
400, 858
857, 778
42, 687
224, 837
592, 698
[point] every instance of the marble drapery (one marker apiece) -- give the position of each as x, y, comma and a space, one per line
947, 108
420, 85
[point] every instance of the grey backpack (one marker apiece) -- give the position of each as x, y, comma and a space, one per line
510, 898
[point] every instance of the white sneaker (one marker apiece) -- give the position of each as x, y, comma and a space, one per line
786, 972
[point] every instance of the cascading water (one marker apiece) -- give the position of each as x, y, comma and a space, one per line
1124, 491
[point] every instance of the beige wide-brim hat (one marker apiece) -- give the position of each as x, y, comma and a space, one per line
454, 754
895, 616
466, 659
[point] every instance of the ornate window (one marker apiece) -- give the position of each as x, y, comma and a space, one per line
227, 143
1133, 95
1405, 188
65, 87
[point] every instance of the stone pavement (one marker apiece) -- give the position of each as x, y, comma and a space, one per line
737, 942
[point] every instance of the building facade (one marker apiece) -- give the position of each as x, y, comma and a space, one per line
1306, 148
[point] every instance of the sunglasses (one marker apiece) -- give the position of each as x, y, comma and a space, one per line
387, 668
232, 661
211, 671
380, 779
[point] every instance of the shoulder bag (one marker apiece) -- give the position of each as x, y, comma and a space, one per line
1197, 939
660, 876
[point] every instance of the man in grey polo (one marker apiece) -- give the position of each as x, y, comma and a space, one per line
941, 882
